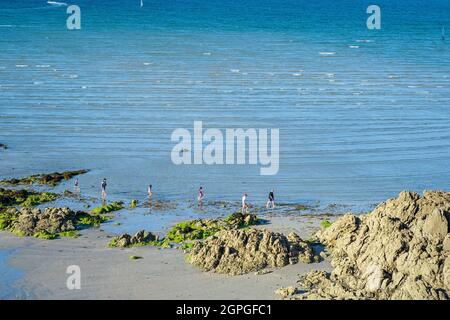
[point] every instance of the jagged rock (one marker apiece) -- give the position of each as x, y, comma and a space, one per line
398, 251
50, 221
241, 251
141, 237
285, 292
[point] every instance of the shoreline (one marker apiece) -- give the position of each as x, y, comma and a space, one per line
161, 273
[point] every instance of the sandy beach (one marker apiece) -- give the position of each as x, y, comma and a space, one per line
108, 273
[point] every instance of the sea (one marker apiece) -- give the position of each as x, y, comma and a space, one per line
362, 113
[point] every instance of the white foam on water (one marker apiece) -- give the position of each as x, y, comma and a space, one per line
364, 40
206, 53
21, 66
327, 53
354, 47
42, 66
56, 3
235, 70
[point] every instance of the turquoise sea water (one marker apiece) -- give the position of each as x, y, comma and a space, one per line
363, 114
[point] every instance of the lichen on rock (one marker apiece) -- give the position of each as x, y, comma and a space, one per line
398, 251
241, 251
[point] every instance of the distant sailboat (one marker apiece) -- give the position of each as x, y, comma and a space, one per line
142, 3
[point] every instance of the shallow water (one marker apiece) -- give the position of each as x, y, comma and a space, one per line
8, 276
362, 114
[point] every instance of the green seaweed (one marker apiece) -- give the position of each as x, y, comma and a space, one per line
51, 179
134, 203
113, 206
84, 219
37, 199
193, 230
203, 228
135, 258
7, 217
45, 235
325, 224
24, 198
69, 234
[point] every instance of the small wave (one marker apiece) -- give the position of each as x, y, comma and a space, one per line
37, 82
73, 76
327, 53
21, 66
42, 66
56, 3
353, 47
7, 26
147, 63
206, 53
364, 40
235, 70
297, 74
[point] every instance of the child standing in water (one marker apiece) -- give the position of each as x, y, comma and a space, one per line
76, 187
150, 192
271, 200
200, 196
244, 203
104, 189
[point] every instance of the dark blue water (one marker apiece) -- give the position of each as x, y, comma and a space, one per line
363, 114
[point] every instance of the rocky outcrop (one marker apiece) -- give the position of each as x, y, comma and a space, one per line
29, 222
25, 198
241, 251
141, 237
47, 223
51, 179
202, 228
398, 251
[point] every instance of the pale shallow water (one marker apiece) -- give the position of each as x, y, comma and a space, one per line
362, 114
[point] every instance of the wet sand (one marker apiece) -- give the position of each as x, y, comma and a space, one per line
108, 273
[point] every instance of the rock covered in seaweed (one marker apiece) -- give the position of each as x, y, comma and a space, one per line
202, 228
25, 198
29, 222
241, 251
47, 223
141, 238
51, 179
398, 251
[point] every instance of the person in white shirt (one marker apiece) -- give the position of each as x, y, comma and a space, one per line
244, 203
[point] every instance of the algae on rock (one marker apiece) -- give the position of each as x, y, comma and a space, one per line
51, 179
24, 198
